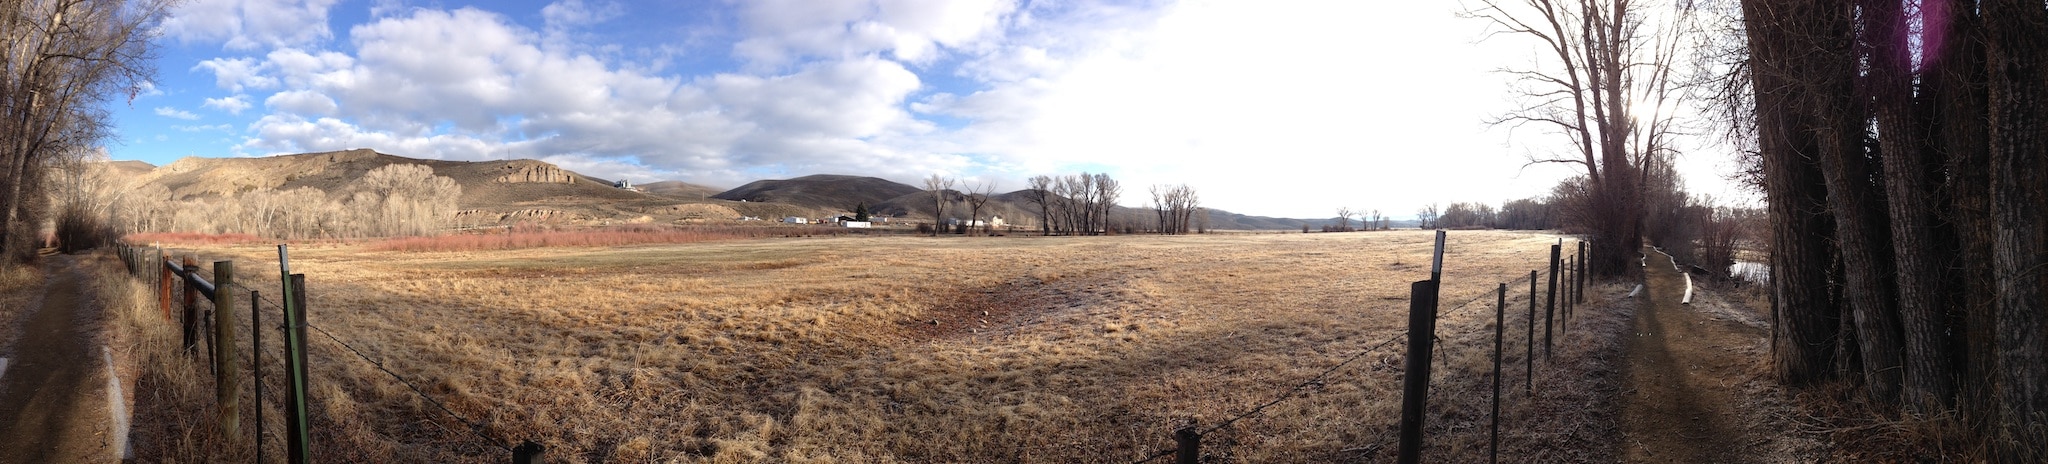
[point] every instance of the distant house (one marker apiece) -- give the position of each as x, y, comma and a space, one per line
857, 224
626, 185
796, 220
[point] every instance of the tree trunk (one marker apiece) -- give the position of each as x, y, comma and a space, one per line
2016, 35
1801, 254
1956, 72
1927, 388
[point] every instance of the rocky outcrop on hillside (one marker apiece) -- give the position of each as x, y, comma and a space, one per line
519, 171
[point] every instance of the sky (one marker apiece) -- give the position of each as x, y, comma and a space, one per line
1275, 108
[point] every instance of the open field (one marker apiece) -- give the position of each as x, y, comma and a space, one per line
883, 349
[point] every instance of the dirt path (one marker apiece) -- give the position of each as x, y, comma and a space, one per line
53, 397
1683, 394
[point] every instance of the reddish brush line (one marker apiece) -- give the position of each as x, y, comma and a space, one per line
613, 236
189, 238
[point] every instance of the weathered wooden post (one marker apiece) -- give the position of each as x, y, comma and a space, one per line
256, 362
1529, 358
298, 439
1422, 298
226, 391
1187, 445
1550, 299
1500, 311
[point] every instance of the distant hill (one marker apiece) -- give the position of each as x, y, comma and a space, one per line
679, 189
822, 192
516, 191
505, 192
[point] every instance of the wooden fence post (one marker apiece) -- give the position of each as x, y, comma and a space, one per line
1500, 311
298, 439
226, 391
256, 362
1422, 302
1550, 299
1415, 377
1187, 445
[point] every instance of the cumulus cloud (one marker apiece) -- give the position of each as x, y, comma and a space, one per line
470, 84
249, 24
237, 74
170, 112
232, 104
784, 31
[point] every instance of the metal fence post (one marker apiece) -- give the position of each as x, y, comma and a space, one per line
226, 391
163, 284
1580, 292
191, 301
1500, 311
527, 452
1550, 299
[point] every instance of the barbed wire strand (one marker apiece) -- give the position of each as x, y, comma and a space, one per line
474, 428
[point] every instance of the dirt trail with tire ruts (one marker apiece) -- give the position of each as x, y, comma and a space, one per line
53, 396
1684, 399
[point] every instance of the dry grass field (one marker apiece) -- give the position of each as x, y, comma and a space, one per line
889, 348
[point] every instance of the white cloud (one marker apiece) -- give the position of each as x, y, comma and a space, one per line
249, 24
301, 102
232, 104
575, 13
784, 31
203, 128
237, 74
170, 112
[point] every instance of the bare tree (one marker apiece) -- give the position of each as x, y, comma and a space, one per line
1605, 64
1425, 218
938, 187
1176, 207
1041, 192
64, 59
978, 196
1344, 218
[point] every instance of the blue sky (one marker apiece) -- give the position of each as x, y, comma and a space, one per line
1283, 108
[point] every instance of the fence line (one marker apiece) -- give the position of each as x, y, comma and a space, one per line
143, 262
1187, 438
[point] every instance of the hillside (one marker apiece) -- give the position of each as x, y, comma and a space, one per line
823, 192
500, 192
522, 191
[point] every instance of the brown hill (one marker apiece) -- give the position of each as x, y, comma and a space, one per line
679, 189
515, 191
504, 192
823, 192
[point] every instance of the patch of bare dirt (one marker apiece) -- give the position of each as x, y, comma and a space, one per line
1694, 388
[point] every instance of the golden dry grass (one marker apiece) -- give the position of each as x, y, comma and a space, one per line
19, 287
893, 349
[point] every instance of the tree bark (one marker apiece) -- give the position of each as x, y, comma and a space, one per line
1928, 384
1801, 255
2016, 34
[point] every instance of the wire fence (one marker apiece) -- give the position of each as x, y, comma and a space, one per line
143, 262
262, 331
